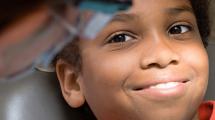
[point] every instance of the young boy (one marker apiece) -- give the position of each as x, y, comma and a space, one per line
148, 63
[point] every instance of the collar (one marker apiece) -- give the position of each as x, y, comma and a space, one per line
207, 110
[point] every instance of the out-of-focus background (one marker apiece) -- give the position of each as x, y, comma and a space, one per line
211, 51
212, 15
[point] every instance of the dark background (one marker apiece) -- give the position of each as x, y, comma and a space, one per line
211, 51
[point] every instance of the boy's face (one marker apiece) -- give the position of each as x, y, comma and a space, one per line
149, 63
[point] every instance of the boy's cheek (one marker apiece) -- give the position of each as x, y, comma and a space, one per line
108, 68
196, 58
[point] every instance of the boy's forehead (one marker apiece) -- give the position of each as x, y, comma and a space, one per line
138, 9
122, 12
174, 8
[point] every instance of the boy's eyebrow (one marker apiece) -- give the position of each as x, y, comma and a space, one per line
178, 10
124, 17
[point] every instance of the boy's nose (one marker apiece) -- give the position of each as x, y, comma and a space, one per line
160, 55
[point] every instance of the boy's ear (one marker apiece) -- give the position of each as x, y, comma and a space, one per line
70, 84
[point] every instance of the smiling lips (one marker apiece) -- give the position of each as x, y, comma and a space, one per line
162, 89
167, 85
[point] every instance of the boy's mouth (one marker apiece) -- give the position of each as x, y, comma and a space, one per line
162, 85
162, 90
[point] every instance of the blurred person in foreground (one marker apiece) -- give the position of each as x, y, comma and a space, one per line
29, 33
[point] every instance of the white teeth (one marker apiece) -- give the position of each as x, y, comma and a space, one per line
165, 85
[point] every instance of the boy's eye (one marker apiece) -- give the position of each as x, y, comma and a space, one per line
179, 29
120, 37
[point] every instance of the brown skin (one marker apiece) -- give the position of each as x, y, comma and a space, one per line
152, 50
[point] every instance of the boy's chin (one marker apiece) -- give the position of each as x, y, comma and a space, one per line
169, 115
169, 110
